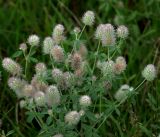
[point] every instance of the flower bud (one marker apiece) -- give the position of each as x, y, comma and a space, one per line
47, 45
22, 104
122, 32
23, 47
123, 92
149, 72
11, 66
52, 96
17, 85
85, 101
120, 65
58, 33
33, 40
77, 30
57, 53
39, 99
88, 18
72, 118
81, 113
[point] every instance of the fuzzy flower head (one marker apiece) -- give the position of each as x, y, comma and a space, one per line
52, 96
58, 135
83, 51
57, 74
76, 61
88, 18
58, 33
17, 85
122, 32
108, 35
39, 99
120, 65
29, 90
40, 68
72, 118
48, 43
38, 83
107, 67
76, 30
33, 40
85, 101
11, 66
22, 104
23, 47
67, 80
57, 53
149, 72
100, 31
123, 92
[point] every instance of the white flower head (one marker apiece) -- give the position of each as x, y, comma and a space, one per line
33, 40
149, 72
88, 18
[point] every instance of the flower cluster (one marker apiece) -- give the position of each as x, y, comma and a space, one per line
69, 86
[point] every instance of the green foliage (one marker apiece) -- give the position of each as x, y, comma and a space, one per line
138, 117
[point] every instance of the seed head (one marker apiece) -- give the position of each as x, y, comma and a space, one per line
33, 40
17, 85
48, 43
11, 66
149, 72
72, 118
57, 53
85, 101
39, 99
120, 65
52, 96
76, 61
88, 18
58, 33
122, 32
123, 92
23, 47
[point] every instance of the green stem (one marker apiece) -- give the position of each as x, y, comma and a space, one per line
140, 84
81, 32
27, 58
108, 53
96, 57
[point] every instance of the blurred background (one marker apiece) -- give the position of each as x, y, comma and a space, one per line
20, 18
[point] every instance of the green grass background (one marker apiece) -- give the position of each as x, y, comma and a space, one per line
20, 18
